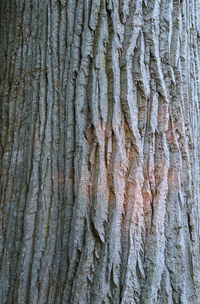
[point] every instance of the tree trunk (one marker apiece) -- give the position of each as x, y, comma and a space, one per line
99, 152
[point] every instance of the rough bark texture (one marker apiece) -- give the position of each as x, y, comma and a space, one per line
99, 152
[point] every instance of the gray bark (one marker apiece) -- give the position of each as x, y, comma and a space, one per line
99, 152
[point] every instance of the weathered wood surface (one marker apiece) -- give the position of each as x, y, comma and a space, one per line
99, 144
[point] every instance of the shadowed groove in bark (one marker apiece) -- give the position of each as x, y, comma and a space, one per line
99, 151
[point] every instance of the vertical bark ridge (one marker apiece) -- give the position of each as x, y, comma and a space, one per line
99, 151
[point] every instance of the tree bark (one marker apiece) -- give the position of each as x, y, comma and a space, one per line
99, 152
